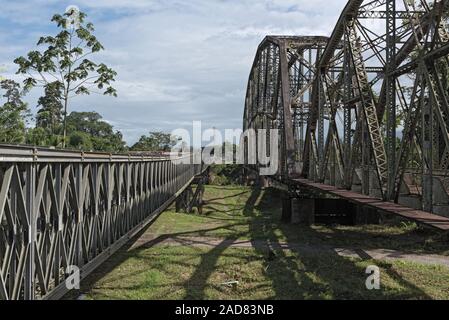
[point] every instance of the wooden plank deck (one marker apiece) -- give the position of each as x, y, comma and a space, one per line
422, 217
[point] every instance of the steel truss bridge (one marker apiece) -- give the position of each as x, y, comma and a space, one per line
362, 114
62, 209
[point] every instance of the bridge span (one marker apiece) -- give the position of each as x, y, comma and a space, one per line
62, 211
364, 113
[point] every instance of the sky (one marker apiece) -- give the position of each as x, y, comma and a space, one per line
177, 61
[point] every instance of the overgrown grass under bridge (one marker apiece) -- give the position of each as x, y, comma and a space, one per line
239, 249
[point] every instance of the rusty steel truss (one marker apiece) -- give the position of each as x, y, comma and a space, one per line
63, 209
366, 109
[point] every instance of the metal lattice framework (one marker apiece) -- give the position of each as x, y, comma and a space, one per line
62, 209
365, 109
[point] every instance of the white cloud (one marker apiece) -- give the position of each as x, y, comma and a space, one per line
151, 91
177, 61
128, 4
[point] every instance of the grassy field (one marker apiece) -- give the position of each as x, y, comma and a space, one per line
151, 268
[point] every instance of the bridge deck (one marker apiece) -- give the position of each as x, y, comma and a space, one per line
419, 216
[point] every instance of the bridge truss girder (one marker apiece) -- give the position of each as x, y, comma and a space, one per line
377, 113
279, 85
60, 210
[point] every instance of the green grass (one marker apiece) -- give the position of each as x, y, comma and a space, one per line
243, 213
191, 272
199, 273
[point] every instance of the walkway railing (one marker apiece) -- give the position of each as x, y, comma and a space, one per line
63, 211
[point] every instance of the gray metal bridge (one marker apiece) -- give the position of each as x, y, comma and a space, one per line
60, 209
363, 112
363, 115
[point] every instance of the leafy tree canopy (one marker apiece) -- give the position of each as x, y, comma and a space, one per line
87, 131
49, 116
13, 113
62, 66
155, 141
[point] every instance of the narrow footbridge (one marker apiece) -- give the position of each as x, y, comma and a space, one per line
61, 211
363, 114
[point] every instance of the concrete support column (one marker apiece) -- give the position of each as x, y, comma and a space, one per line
366, 215
303, 211
286, 209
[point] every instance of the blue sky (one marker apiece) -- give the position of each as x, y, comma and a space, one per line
177, 60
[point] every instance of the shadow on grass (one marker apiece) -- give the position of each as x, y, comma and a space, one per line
194, 287
298, 274
208, 201
302, 274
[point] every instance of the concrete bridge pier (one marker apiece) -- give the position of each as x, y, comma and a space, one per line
309, 210
303, 211
366, 215
298, 210
286, 209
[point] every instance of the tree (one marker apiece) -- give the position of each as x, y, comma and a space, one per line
87, 131
38, 137
49, 116
62, 66
155, 141
12, 113
81, 140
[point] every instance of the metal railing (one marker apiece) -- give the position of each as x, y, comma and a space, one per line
61, 210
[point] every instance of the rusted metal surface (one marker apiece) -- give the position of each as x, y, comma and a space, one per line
422, 217
364, 106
